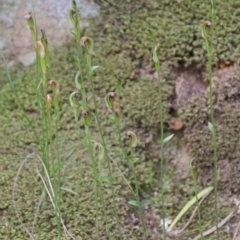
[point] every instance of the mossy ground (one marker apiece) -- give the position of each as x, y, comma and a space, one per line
123, 51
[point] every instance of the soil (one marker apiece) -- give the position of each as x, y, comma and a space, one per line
52, 16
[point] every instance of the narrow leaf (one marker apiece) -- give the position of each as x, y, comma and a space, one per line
76, 59
69, 190
189, 204
135, 159
72, 99
94, 68
218, 174
119, 85
105, 179
115, 120
194, 171
67, 156
166, 139
151, 35
210, 126
74, 34
134, 203
78, 85
155, 54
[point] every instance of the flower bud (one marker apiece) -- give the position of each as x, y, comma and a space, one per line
73, 14
87, 117
78, 84
194, 171
40, 49
45, 44
119, 85
73, 100
55, 85
29, 18
109, 99
206, 29
31, 25
99, 149
49, 101
155, 54
44, 38
87, 42
134, 139
41, 52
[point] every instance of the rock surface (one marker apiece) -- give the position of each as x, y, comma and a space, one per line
52, 16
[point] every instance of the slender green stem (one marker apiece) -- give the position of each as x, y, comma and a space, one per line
89, 65
118, 125
97, 189
209, 48
198, 210
41, 99
195, 186
214, 135
116, 119
50, 139
77, 35
79, 63
48, 128
97, 179
215, 157
47, 119
137, 194
95, 173
157, 67
57, 180
82, 91
45, 141
119, 132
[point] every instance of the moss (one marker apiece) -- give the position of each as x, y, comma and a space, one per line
140, 102
176, 26
78, 212
198, 137
123, 51
123, 48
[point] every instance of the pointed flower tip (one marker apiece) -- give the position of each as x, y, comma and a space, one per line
99, 149
155, 54
72, 99
73, 15
206, 26
41, 49
87, 117
55, 84
49, 101
44, 37
87, 42
109, 99
134, 139
28, 16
